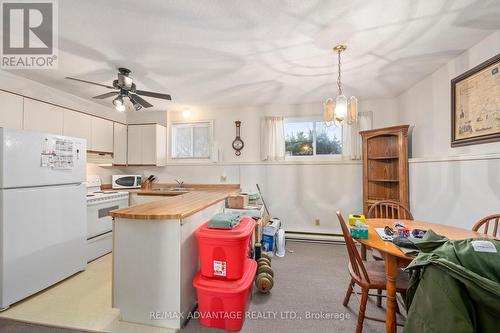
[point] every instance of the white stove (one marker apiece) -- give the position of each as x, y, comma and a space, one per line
99, 223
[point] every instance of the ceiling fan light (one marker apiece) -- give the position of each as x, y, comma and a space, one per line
120, 107
118, 101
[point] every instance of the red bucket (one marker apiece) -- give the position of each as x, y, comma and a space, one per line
222, 303
223, 252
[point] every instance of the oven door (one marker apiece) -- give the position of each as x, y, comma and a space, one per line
98, 220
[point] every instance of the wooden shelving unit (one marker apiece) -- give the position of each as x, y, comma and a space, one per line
385, 165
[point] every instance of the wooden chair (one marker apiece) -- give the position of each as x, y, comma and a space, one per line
389, 209
385, 209
366, 274
484, 224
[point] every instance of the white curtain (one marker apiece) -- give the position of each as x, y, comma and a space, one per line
351, 139
272, 139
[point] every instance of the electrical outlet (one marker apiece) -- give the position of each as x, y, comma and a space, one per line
223, 179
316, 222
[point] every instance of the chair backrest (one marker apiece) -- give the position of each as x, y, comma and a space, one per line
485, 223
389, 209
354, 258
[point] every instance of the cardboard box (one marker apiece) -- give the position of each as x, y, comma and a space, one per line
269, 236
237, 201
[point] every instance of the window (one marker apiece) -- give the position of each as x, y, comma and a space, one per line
311, 137
192, 140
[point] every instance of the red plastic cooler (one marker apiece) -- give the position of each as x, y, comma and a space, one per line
223, 252
222, 303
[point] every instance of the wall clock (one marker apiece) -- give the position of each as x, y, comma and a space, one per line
238, 143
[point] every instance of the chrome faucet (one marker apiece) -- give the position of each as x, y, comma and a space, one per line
179, 182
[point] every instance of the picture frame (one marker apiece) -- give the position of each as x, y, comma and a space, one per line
475, 105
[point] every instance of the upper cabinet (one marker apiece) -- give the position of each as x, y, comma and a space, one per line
43, 117
102, 135
11, 111
78, 125
120, 144
147, 145
29, 114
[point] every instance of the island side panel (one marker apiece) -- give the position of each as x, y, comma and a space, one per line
146, 271
190, 256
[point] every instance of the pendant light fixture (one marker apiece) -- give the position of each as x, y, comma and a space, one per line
341, 109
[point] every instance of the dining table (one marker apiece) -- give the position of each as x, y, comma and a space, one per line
395, 259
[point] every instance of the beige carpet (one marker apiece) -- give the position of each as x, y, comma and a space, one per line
312, 279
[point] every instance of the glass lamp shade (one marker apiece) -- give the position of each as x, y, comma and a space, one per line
352, 111
340, 108
328, 111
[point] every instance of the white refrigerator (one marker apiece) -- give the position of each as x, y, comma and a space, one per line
42, 211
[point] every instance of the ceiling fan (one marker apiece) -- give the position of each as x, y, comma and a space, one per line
124, 87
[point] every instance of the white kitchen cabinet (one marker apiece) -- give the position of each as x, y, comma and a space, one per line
78, 125
147, 144
102, 135
134, 144
43, 117
120, 144
11, 111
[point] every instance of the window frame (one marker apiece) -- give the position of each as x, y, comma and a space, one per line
314, 156
191, 124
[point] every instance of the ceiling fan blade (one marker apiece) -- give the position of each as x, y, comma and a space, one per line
89, 82
106, 95
153, 94
140, 100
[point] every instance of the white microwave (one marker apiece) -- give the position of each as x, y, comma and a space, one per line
126, 181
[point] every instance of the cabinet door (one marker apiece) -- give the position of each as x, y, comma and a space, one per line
134, 144
149, 144
78, 125
120, 144
102, 135
11, 112
161, 145
42, 117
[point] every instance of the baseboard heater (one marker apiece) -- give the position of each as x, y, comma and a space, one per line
314, 237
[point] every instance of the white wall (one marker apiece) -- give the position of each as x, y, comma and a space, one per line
33, 89
446, 184
427, 105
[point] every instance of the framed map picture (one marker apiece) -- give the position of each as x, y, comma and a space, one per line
475, 105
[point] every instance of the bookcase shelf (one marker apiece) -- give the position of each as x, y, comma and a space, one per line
385, 165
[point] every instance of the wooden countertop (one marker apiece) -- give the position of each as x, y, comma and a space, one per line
178, 206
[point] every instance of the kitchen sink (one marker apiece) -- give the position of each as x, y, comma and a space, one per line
180, 189
174, 189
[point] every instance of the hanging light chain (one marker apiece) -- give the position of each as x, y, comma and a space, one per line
339, 81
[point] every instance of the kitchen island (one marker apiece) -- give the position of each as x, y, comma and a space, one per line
155, 253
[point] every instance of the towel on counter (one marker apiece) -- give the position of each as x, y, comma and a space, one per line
224, 221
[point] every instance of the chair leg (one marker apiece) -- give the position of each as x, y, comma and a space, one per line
379, 298
362, 309
348, 293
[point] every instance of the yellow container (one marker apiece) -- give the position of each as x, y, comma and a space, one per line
354, 217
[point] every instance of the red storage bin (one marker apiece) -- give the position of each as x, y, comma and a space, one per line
222, 303
223, 252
